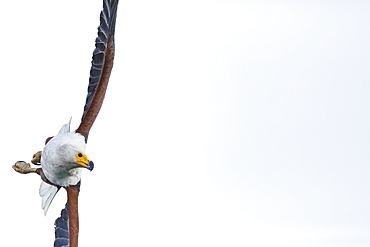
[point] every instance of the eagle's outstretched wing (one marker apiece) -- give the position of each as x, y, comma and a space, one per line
101, 66
61, 229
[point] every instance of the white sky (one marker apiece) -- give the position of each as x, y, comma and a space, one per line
226, 123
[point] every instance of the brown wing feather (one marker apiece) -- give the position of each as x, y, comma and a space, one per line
73, 220
101, 66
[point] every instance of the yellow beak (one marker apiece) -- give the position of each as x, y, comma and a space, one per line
83, 161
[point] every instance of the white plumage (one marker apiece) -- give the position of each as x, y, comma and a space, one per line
47, 192
59, 163
64, 153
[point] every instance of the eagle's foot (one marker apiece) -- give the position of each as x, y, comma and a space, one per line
23, 167
36, 159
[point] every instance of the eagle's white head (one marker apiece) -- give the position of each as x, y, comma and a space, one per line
62, 157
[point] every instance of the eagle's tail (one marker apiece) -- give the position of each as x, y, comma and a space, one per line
47, 192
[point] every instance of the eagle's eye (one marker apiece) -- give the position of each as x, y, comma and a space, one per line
79, 154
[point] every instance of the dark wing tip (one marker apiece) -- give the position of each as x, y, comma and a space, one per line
61, 229
106, 31
101, 66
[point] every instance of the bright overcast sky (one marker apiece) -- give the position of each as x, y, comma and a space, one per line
226, 122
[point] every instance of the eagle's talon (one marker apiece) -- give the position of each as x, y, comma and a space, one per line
36, 159
23, 167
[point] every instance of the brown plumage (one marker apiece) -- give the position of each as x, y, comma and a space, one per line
96, 103
54, 168
101, 67
73, 219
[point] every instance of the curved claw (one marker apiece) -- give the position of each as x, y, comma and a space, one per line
23, 167
36, 159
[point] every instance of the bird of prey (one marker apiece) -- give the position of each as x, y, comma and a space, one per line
64, 154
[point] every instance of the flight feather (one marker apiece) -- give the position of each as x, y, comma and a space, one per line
101, 66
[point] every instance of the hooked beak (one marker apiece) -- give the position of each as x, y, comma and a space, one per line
83, 161
90, 165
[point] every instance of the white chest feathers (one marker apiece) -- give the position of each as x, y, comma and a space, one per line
59, 158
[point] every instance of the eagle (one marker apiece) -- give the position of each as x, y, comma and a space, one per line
64, 155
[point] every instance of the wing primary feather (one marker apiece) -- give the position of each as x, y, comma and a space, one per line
62, 229
101, 66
